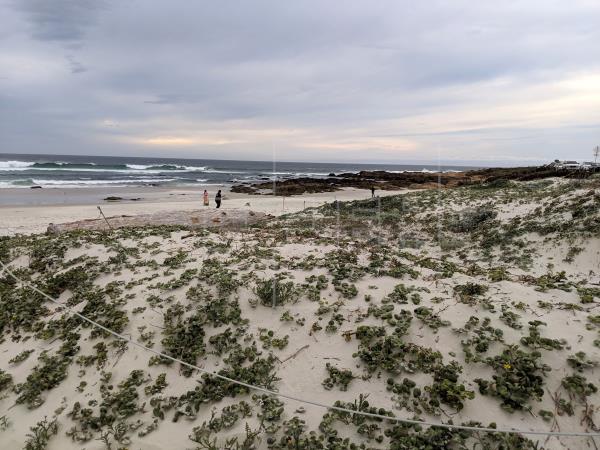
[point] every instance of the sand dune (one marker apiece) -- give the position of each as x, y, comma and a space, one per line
471, 305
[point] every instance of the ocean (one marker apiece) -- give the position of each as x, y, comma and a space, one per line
48, 171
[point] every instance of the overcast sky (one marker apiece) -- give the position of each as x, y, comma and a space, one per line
400, 81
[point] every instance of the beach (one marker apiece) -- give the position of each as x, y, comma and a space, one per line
473, 305
299, 225
31, 210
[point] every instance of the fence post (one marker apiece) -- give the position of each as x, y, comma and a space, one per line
378, 219
337, 206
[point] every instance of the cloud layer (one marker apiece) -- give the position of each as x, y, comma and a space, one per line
398, 81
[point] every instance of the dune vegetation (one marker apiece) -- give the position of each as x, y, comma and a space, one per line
473, 305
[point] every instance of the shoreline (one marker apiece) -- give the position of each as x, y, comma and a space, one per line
61, 171
489, 292
381, 180
61, 196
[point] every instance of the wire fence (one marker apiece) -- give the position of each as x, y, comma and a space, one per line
129, 340
309, 207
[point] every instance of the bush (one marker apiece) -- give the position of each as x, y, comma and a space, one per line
468, 292
339, 377
518, 379
469, 220
40, 434
184, 338
275, 292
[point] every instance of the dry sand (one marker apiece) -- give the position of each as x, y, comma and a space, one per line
30, 218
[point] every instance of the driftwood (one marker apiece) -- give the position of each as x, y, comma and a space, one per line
293, 355
209, 218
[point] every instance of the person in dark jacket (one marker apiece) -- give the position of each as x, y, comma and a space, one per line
218, 198
372, 191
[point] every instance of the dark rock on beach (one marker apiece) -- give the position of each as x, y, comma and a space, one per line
118, 199
361, 180
381, 179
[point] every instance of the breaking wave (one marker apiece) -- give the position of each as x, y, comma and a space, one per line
92, 167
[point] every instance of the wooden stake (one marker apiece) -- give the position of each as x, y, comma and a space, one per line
105, 219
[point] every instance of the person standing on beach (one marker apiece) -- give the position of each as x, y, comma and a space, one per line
218, 199
372, 191
205, 197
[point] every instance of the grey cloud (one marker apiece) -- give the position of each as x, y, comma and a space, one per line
323, 67
60, 20
75, 66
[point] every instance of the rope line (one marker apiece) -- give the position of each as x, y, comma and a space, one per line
292, 397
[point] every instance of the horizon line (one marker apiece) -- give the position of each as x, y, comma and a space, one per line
466, 163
